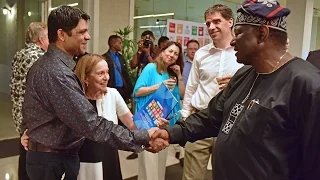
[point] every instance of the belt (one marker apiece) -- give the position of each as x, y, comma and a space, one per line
35, 146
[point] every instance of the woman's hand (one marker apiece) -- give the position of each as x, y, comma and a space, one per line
170, 83
25, 140
176, 69
162, 123
140, 45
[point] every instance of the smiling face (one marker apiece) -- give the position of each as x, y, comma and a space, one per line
170, 54
76, 42
218, 27
98, 79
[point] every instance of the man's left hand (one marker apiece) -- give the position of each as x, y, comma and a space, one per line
223, 81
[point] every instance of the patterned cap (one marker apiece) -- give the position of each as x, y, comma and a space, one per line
263, 12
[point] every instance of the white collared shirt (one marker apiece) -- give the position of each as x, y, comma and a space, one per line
209, 63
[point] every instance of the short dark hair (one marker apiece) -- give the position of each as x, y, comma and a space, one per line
112, 38
278, 37
147, 32
193, 41
225, 11
162, 39
65, 18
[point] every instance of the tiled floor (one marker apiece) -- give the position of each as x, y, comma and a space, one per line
9, 165
129, 168
7, 130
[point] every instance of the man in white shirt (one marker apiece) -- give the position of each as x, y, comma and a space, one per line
212, 68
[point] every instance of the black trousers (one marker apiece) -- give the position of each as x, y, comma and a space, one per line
51, 166
111, 164
22, 173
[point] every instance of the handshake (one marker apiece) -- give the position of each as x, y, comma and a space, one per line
159, 140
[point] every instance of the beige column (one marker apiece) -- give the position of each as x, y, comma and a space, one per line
114, 14
300, 26
318, 35
107, 16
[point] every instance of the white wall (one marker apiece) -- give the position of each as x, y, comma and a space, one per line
314, 33
300, 26
318, 35
114, 14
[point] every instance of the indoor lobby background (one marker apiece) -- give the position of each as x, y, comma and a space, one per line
108, 16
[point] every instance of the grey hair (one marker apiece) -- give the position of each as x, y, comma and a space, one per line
34, 31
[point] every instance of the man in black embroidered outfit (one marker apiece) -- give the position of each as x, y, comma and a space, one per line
267, 119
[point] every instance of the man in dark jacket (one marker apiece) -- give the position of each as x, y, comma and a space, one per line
119, 77
314, 58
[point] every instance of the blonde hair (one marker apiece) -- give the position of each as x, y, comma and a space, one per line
34, 31
85, 66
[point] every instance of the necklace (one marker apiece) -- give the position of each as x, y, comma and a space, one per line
237, 108
275, 67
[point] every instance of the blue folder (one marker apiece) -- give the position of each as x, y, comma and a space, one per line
160, 104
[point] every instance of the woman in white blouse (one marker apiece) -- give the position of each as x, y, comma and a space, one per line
99, 161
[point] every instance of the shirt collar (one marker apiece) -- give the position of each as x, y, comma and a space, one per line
113, 54
211, 48
33, 46
63, 56
186, 59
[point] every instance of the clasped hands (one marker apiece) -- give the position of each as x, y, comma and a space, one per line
159, 139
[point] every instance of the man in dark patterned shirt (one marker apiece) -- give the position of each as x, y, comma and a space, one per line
36, 44
57, 113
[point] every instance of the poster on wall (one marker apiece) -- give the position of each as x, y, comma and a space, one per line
183, 31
